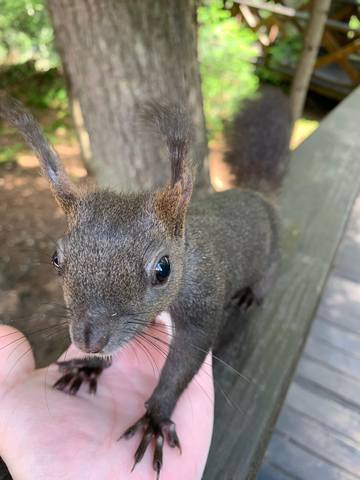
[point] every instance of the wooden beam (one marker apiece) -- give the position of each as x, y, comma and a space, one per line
254, 22
339, 54
292, 13
274, 8
249, 17
331, 44
345, 11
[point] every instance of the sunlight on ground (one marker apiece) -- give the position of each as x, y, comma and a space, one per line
69, 153
303, 129
220, 176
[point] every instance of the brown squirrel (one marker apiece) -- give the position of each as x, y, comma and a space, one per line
125, 258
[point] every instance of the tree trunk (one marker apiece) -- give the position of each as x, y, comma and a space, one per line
117, 55
313, 35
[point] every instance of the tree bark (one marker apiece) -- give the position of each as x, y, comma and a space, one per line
313, 35
117, 55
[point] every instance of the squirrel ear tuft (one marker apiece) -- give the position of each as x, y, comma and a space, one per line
63, 189
175, 126
171, 205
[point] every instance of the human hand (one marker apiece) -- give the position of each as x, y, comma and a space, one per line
46, 434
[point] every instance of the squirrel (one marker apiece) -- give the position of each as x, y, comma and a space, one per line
127, 257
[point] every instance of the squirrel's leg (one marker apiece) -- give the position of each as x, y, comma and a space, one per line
255, 294
191, 344
78, 371
246, 298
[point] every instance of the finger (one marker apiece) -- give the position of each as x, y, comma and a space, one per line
16, 357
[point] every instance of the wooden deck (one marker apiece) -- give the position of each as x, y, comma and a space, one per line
318, 196
317, 435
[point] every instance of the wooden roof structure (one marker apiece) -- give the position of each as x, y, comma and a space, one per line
337, 69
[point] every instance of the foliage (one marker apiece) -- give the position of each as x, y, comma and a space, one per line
38, 90
227, 56
286, 51
9, 153
26, 34
45, 94
354, 22
29, 64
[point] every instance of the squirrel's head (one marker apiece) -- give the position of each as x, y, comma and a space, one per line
121, 259
120, 264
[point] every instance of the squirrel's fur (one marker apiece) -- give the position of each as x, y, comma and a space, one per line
223, 249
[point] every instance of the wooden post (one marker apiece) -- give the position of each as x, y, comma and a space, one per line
313, 35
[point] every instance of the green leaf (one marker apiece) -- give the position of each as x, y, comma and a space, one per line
227, 56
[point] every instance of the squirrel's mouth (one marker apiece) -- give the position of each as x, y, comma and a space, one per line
94, 341
103, 356
105, 349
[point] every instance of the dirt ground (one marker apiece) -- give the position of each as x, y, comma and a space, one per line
30, 293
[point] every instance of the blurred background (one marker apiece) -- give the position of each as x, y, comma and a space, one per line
83, 68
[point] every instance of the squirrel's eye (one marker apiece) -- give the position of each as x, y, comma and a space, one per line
55, 260
162, 269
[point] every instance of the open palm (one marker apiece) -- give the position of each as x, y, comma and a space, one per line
46, 434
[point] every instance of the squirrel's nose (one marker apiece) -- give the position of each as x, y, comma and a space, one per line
96, 346
93, 341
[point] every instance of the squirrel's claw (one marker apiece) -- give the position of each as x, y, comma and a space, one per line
246, 298
158, 455
153, 430
77, 371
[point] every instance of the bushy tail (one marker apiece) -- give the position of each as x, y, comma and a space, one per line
258, 142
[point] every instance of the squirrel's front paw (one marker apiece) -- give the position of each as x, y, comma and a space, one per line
153, 430
80, 370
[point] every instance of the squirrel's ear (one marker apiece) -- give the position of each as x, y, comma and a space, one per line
171, 205
64, 190
175, 126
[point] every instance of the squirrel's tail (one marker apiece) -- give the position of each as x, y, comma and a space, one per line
258, 142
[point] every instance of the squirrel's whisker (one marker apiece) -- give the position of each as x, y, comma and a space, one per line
149, 356
164, 354
24, 337
165, 330
217, 384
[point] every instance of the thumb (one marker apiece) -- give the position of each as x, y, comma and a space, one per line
16, 357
